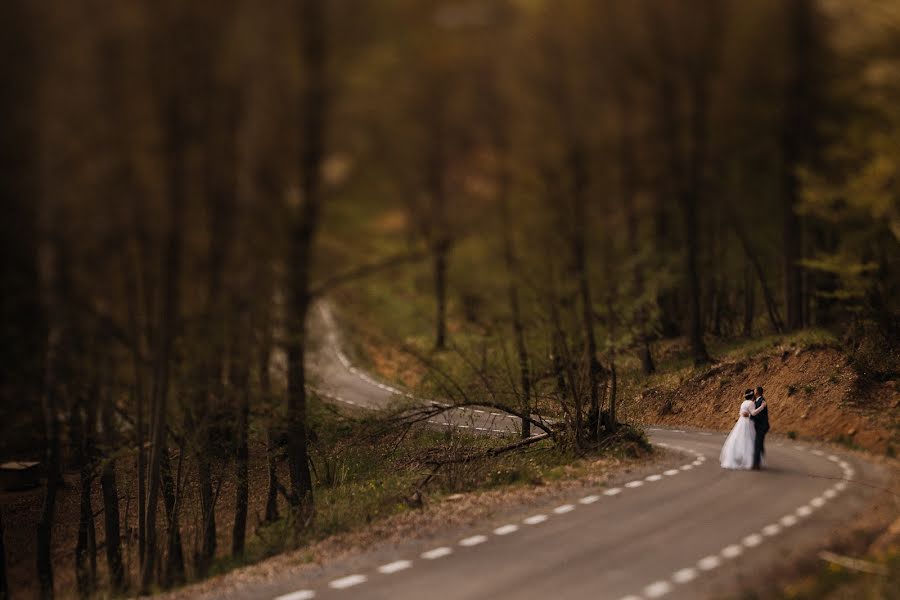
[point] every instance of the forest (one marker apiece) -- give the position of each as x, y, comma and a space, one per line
516, 204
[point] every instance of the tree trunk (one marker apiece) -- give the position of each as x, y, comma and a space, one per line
56, 340
85, 554
171, 270
690, 197
440, 252
509, 256
23, 319
265, 390
85, 575
302, 235
613, 422
579, 249
131, 275
629, 190
768, 297
220, 188
52, 459
797, 139
4, 587
749, 301
793, 296
239, 386
174, 569
111, 525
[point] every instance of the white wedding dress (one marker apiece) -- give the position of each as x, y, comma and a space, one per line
737, 453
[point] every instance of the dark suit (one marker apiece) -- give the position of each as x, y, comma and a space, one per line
761, 423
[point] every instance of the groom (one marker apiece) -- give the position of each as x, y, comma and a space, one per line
760, 420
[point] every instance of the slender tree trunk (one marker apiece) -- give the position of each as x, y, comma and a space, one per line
793, 244
629, 189
302, 235
512, 290
4, 587
749, 300
171, 270
579, 249
797, 137
52, 459
768, 297
85, 555
440, 254
240, 389
434, 222
110, 491
690, 197
131, 277
57, 339
265, 389
174, 569
221, 165
613, 396
204, 475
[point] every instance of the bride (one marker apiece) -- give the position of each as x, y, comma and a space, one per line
737, 453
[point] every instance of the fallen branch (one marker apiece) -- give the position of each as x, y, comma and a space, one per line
490, 453
854, 564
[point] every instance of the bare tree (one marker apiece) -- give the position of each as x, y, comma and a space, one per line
301, 238
110, 491
171, 270
798, 138
86, 546
4, 586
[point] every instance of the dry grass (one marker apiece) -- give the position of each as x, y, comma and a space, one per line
813, 391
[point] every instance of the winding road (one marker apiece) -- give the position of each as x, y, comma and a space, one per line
690, 531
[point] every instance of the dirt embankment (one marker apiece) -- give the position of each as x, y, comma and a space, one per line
813, 392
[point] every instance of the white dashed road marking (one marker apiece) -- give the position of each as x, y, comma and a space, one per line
752, 540
473, 541
348, 581
657, 589
437, 553
535, 519
395, 566
654, 590
298, 595
788, 521
684, 575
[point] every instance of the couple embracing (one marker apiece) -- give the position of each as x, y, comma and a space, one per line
745, 445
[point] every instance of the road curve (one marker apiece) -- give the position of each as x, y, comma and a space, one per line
692, 531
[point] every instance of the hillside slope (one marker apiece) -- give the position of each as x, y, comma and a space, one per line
813, 392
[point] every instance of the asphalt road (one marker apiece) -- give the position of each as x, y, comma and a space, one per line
337, 379
692, 531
